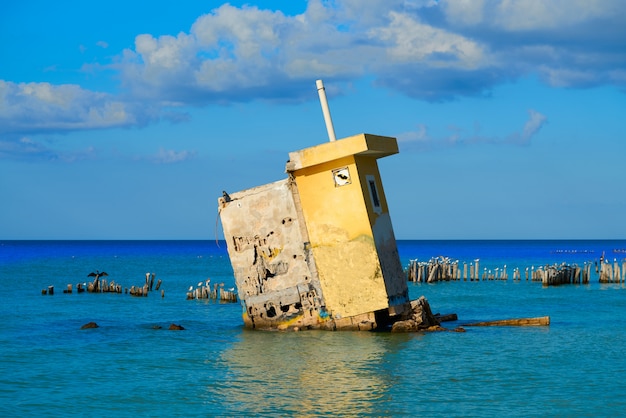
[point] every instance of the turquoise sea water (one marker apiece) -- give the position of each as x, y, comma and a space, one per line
215, 367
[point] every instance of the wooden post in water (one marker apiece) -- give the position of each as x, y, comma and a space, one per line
432, 274
521, 322
605, 273
410, 271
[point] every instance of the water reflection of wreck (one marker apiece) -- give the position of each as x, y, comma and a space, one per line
317, 249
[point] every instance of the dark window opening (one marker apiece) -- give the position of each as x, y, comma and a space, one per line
374, 193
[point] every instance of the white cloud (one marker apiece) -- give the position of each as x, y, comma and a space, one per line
247, 31
32, 107
166, 52
426, 49
420, 135
422, 140
464, 12
411, 41
28, 148
527, 15
532, 126
236, 54
568, 43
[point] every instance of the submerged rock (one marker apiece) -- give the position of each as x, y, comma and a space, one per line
419, 318
90, 325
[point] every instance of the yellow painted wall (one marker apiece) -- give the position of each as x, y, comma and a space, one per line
341, 207
341, 238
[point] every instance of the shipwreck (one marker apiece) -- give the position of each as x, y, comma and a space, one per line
317, 249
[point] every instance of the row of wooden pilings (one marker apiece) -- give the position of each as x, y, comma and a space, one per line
99, 285
441, 269
566, 274
446, 269
216, 292
147, 287
610, 273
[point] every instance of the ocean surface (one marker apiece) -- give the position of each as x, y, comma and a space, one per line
132, 365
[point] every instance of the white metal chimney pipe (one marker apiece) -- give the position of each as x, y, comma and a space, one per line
329, 122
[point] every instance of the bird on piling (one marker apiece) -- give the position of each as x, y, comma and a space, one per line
97, 274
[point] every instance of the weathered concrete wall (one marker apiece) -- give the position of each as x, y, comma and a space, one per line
395, 277
272, 263
382, 230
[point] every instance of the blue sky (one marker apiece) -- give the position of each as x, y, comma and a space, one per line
126, 121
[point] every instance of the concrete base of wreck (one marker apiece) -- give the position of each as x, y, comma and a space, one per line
418, 318
411, 317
